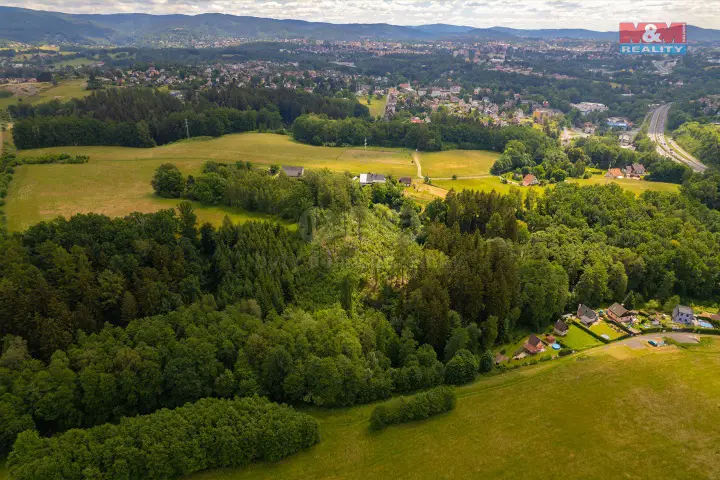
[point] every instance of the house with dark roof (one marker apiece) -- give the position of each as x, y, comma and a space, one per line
683, 314
371, 178
635, 170
587, 315
561, 328
534, 345
406, 181
294, 172
620, 314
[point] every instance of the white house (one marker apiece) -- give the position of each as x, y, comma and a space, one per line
371, 178
683, 314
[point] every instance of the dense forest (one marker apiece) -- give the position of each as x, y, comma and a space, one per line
110, 318
147, 117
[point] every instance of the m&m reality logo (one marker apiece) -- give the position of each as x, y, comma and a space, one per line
652, 38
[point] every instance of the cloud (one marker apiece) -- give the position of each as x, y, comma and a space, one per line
590, 14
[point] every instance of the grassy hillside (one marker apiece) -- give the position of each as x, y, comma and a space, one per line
463, 163
611, 412
116, 181
377, 107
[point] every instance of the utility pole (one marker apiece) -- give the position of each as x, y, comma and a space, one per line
187, 129
365, 143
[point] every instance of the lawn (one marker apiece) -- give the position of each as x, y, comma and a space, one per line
500, 426
493, 183
463, 163
578, 339
116, 181
485, 184
377, 107
604, 328
47, 92
635, 186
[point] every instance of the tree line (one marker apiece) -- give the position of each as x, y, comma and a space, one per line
454, 133
140, 117
272, 191
169, 443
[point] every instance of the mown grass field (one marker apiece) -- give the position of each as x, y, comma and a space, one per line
635, 186
116, 181
610, 412
463, 163
484, 184
493, 183
43, 192
47, 92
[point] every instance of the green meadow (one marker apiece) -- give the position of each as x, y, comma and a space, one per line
116, 181
377, 107
612, 412
463, 163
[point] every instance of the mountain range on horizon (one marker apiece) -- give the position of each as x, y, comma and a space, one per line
35, 26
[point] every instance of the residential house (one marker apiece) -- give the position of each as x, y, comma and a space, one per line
635, 170
534, 345
294, 172
683, 314
587, 315
406, 181
561, 328
529, 180
620, 314
371, 178
614, 173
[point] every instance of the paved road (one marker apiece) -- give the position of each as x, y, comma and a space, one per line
665, 145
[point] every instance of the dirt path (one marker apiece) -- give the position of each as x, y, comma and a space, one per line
416, 160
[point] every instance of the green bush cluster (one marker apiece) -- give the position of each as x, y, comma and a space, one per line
418, 407
61, 158
169, 443
462, 368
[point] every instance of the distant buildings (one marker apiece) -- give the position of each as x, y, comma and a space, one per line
618, 122
406, 181
587, 107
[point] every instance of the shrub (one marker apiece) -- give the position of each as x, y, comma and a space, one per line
169, 443
462, 368
168, 182
418, 407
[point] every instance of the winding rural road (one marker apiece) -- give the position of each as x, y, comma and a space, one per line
666, 146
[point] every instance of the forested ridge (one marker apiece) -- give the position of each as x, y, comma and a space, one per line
146, 117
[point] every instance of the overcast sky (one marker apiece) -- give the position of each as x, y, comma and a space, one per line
591, 14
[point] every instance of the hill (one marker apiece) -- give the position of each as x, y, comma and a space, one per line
32, 26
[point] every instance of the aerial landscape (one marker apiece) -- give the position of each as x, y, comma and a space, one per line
254, 239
